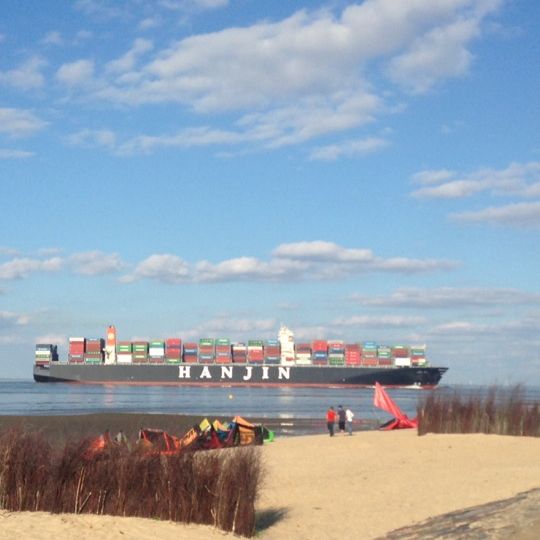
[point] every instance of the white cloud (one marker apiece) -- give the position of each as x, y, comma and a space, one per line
128, 61
19, 268
7, 153
49, 251
53, 38
12, 339
10, 252
298, 78
150, 22
317, 260
78, 73
89, 138
525, 214
449, 298
230, 326
93, 263
525, 328
83, 35
98, 9
164, 267
348, 149
439, 54
384, 321
186, 5
53, 339
27, 76
247, 269
187, 138
429, 177
19, 122
319, 250
518, 179
9, 319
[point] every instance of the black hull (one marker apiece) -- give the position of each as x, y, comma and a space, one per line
239, 375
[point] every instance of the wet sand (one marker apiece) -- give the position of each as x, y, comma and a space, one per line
364, 486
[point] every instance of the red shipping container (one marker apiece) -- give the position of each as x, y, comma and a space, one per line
369, 362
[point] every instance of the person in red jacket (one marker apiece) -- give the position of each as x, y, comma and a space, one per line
330, 420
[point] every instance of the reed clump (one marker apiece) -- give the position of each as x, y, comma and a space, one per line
214, 487
499, 411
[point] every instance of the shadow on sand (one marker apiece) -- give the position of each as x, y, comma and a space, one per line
266, 518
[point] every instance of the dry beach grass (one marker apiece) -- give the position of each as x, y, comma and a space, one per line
364, 486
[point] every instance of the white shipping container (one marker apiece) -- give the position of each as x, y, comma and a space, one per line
75, 339
304, 361
402, 362
156, 351
124, 358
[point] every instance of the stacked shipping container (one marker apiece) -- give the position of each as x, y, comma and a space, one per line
222, 351
173, 350
353, 354
369, 353
418, 355
156, 352
302, 354
140, 352
207, 351
336, 353
93, 350
272, 352
191, 352
319, 351
239, 353
124, 352
255, 350
384, 355
45, 353
76, 350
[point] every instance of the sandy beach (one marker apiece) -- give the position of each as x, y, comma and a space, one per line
364, 486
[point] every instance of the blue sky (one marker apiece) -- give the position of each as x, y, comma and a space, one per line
195, 168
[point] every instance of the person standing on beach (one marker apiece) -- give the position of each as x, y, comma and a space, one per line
341, 418
330, 420
349, 415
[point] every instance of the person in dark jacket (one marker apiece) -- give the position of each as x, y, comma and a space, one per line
341, 418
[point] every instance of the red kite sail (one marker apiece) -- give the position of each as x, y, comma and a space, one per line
383, 401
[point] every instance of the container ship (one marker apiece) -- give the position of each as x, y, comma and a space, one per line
220, 362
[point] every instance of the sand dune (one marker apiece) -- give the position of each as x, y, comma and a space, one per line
317, 487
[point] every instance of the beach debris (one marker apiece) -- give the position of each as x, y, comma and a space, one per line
383, 401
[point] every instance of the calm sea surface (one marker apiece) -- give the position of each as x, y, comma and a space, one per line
30, 398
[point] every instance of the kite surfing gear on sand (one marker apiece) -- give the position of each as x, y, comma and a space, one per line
383, 401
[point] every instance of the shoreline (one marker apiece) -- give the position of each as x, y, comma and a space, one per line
67, 427
378, 485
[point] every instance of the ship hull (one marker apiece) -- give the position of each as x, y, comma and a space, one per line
239, 375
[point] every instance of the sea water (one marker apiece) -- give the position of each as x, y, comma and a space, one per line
25, 397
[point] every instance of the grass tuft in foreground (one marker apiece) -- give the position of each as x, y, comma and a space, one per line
216, 488
501, 412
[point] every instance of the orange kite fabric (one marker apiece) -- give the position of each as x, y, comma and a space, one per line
383, 401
